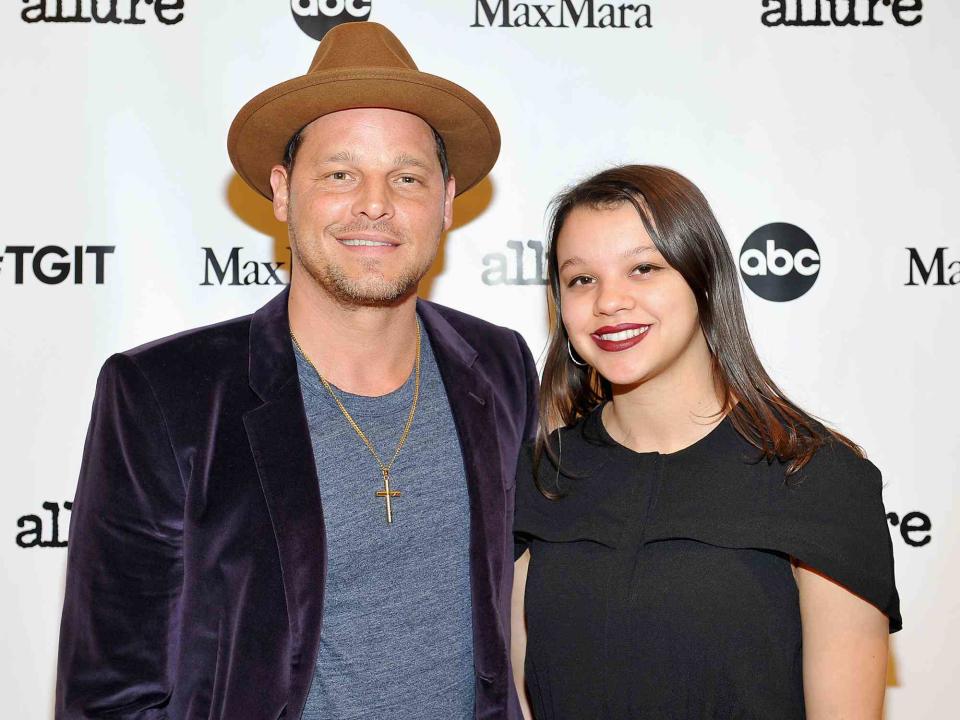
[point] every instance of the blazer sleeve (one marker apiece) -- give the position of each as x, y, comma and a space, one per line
124, 566
533, 390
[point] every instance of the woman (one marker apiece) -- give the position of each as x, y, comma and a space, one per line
698, 545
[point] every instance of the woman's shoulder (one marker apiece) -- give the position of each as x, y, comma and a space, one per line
728, 483
837, 467
839, 524
829, 514
579, 449
564, 491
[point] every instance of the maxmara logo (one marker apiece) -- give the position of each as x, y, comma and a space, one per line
841, 13
779, 262
561, 14
52, 264
236, 268
938, 270
317, 17
103, 12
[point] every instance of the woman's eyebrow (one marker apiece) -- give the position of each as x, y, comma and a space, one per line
575, 260
639, 250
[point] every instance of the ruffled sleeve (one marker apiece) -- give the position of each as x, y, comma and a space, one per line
521, 540
829, 515
586, 509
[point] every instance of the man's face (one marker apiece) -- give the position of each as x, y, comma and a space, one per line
366, 204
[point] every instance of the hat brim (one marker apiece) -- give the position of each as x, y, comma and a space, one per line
263, 127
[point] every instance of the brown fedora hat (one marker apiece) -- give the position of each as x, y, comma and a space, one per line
362, 65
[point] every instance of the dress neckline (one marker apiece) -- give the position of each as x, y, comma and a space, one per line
716, 433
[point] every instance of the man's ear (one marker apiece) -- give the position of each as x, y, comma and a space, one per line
450, 192
280, 182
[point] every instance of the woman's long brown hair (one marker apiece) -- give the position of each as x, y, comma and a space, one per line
682, 226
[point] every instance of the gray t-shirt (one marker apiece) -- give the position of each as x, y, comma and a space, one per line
397, 637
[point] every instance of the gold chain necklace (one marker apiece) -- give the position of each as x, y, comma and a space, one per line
385, 468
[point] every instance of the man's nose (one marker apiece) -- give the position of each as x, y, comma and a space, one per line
373, 200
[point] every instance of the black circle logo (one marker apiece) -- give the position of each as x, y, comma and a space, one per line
317, 17
779, 262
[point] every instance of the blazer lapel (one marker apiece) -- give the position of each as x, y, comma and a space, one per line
280, 441
472, 402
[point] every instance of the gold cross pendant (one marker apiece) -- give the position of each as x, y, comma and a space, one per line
387, 493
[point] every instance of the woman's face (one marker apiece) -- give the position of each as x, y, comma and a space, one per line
627, 312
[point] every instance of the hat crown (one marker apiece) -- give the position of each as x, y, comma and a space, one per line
362, 65
360, 44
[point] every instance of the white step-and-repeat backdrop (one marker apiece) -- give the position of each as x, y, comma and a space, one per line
824, 132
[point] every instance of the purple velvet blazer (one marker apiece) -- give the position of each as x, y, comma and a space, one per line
197, 561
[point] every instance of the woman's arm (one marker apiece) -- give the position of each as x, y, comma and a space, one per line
518, 623
844, 650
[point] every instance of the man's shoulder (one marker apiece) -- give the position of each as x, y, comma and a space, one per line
201, 352
500, 354
473, 329
223, 336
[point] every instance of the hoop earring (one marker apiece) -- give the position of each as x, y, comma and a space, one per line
570, 353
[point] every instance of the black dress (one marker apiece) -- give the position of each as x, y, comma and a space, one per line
660, 586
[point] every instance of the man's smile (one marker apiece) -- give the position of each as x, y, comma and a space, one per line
367, 241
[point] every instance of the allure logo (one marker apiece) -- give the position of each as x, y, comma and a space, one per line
102, 12
562, 14
937, 271
35, 533
522, 265
914, 527
840, 13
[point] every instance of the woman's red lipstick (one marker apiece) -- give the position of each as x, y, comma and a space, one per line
628, 335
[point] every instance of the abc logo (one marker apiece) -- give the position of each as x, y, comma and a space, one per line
316, 17
779, 262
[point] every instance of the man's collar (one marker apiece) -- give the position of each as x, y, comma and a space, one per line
272, 362
447, 342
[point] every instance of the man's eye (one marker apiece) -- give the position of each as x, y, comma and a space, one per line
338, 175
407, 179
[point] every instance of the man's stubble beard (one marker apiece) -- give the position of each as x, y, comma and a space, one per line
369, 292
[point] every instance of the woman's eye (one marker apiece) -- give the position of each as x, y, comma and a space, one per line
644, 269
580, 280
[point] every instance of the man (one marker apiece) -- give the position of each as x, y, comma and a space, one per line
307, 512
